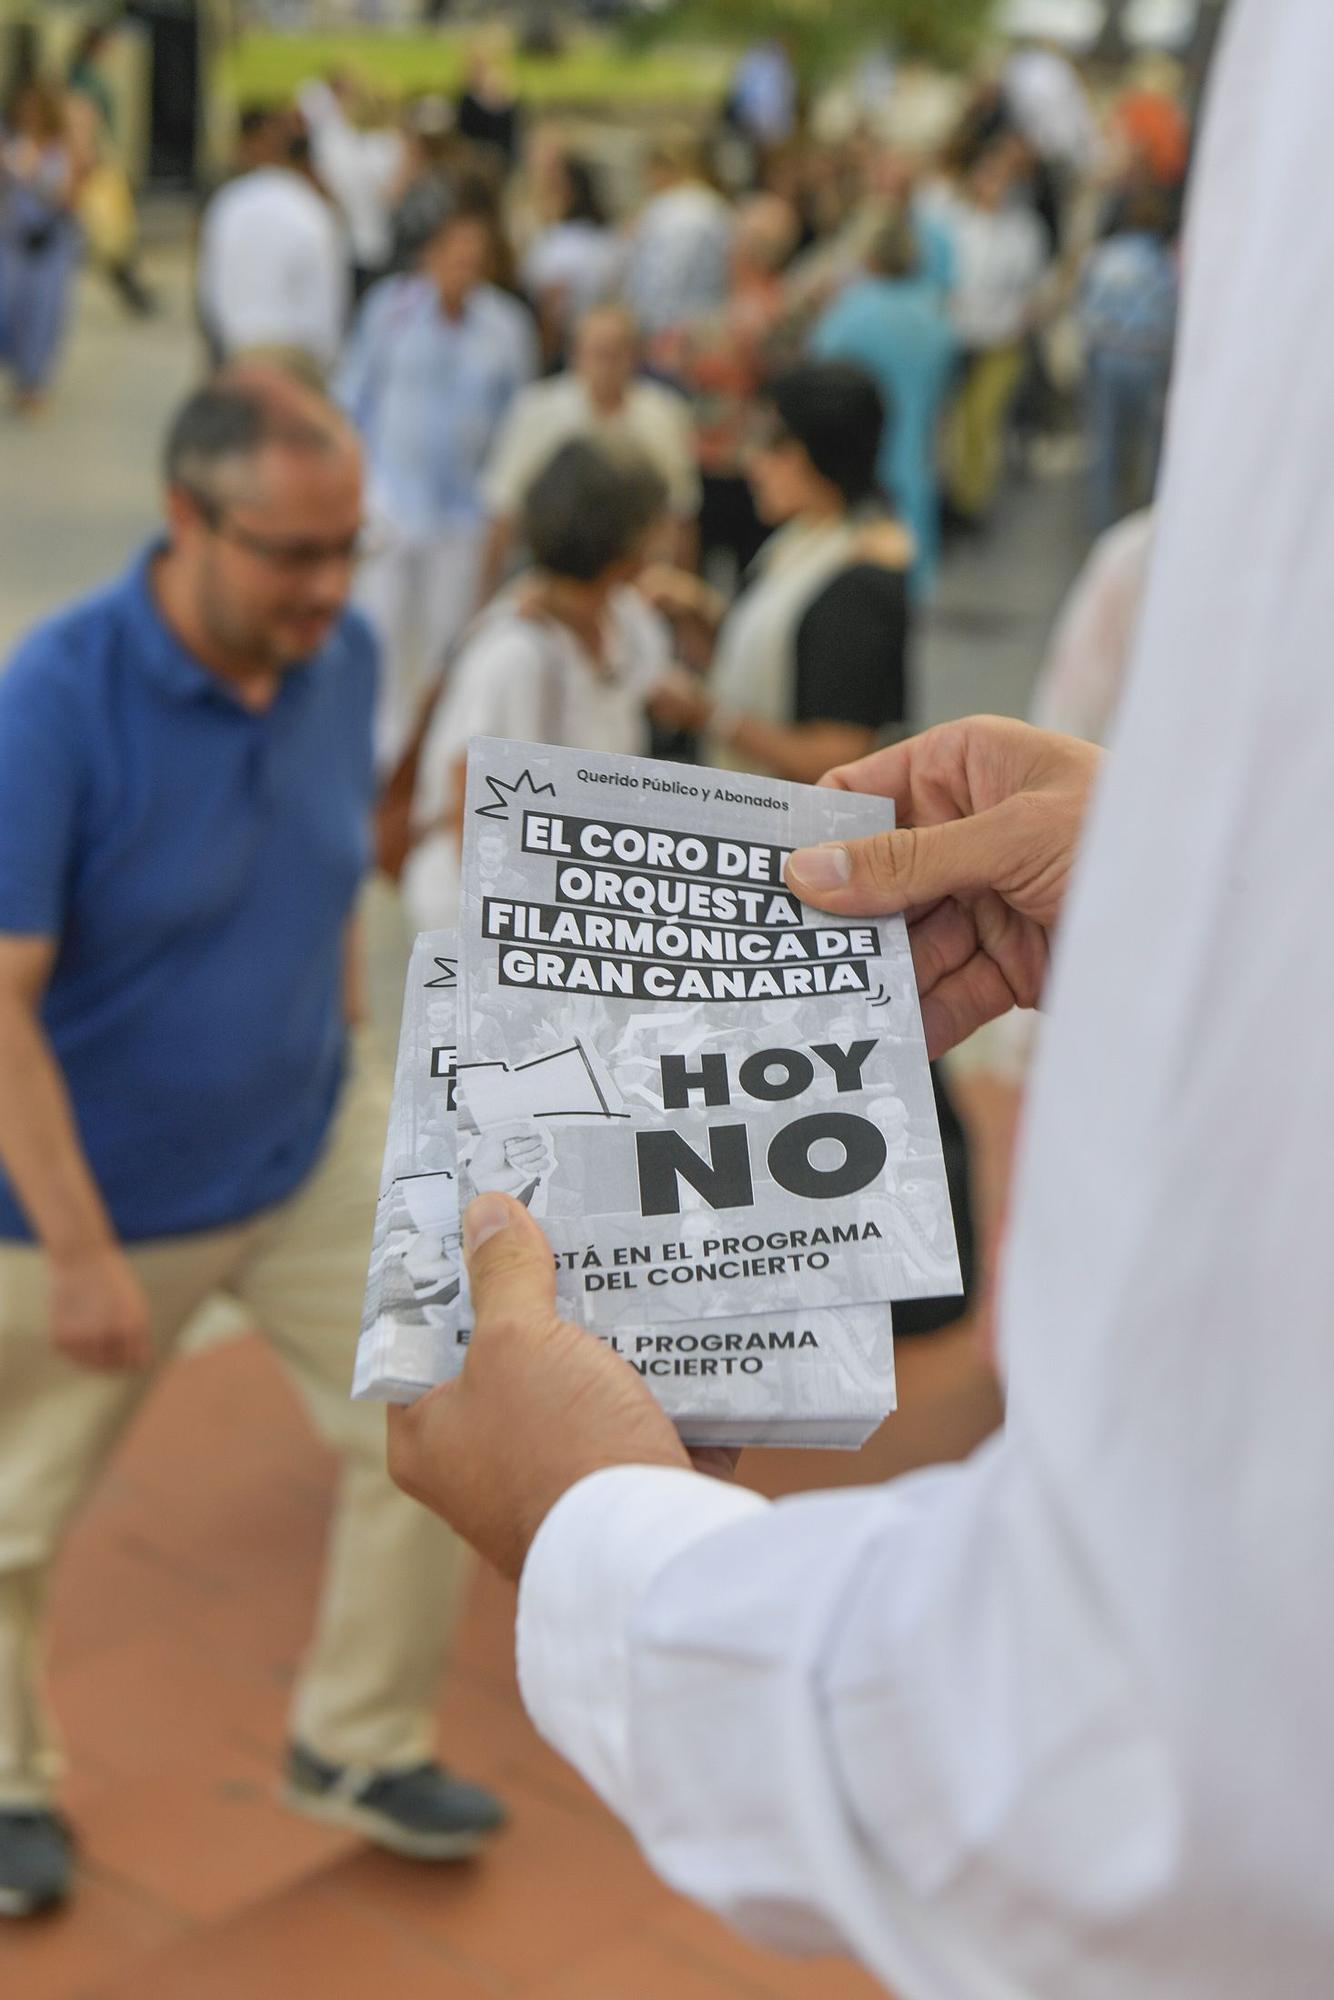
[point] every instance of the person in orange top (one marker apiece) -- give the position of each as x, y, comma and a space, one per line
1150, 121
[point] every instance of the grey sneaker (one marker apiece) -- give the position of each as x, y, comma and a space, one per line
423, 1813
36, 1861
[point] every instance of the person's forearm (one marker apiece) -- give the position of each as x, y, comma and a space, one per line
39, 1142
685, 539
356, 998
796, 750
494, 553
806, 1715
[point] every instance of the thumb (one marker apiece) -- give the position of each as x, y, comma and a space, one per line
900, 871
511, 1274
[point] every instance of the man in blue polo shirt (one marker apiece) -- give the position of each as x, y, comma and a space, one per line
185, 782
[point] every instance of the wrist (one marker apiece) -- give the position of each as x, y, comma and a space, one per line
76, 1253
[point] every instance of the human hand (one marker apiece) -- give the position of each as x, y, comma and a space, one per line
99, 1313
432, 1264
679, 593
678, 701
509, 1159
539, 1403
668, 589
989, 813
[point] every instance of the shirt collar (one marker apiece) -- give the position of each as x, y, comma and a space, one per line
171, 667
467, 319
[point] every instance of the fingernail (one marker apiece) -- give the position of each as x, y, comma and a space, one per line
825, 867
483, 1219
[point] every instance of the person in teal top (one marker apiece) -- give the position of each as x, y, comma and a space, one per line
892, 322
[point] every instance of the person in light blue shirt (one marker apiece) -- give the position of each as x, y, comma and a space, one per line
892, 322
1127, 315
763, 97
433, 363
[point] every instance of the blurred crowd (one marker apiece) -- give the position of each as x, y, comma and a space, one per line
653, 445
64, 196
665, 436
826, 353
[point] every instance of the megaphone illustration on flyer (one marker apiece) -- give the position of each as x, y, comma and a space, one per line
570, 1083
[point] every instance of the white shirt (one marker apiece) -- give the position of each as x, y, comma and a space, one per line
273, 266
550, 414
999, 256
1056, 1722
1091, 646
581, 260
679, 254
1050, 106
359, 167
531, 680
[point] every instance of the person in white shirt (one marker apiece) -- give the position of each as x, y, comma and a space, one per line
362, 166
274, 266
1045, 96
1000, 254
1077, 692
569, 654
680, 246
434, 363
575, 260
1093, 640
1053, 1723
599, 397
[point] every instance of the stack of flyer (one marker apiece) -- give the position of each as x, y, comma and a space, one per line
714, 1098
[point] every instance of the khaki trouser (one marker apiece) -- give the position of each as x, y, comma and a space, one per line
368, 1688
975, 427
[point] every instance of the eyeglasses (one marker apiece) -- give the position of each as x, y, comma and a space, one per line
290, 557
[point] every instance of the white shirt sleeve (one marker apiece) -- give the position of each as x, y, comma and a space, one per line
667, 433
890, 1721
526, 358
1055, 1722
1089, 652
498, 687
645, 647
322, 289
512, 460
674, 433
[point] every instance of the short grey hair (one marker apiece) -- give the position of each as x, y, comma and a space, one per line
241, 412
589, 507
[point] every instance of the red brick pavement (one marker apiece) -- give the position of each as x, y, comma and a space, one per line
180, 1614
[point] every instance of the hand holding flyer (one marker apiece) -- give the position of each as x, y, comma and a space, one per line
715, 1099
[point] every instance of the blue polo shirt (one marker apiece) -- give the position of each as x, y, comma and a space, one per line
197, 864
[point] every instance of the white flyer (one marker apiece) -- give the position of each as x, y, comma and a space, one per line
410, 1334
731, 1089
819, 1378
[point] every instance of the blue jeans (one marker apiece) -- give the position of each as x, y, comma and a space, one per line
34, 299
1125, 422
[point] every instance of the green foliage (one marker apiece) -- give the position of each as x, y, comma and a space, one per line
824, 35
267, 67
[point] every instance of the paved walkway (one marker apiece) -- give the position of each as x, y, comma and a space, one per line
186, 1594
180, 1613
